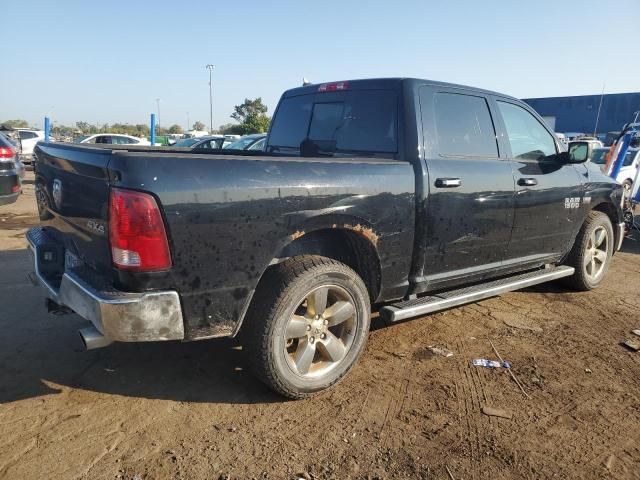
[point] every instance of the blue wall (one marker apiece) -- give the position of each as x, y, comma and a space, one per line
578, 114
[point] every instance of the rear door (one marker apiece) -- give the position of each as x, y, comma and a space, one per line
469, 215
548, 191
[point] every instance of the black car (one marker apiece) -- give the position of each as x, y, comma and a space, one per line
408, 195
11, 171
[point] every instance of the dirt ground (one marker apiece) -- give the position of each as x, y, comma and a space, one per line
190, 410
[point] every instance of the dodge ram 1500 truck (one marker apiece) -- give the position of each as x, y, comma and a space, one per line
404, 195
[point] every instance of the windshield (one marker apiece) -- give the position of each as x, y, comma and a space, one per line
599, 156
241, 144
81, 138
186, 142
353, 121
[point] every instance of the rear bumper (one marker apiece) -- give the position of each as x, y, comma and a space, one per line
7, 199
119, 316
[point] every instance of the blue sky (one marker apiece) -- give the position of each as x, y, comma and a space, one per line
109, 61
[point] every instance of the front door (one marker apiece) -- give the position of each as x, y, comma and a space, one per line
469, 211
548, 191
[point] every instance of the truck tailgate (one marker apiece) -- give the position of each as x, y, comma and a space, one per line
72, 189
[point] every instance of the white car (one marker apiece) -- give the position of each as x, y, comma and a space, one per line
28, 139
629, 167
112, 139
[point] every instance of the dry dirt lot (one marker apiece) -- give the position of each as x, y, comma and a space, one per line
190, 410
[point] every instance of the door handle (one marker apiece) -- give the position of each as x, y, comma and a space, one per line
527, 182
448, 182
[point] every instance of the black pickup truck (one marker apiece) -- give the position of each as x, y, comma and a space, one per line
403, 195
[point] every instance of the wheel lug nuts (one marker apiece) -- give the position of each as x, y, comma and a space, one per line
308, 328
323, 336
326, 322
312, 339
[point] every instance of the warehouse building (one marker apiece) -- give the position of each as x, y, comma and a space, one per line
578, 114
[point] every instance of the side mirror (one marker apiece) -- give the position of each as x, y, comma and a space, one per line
579, 152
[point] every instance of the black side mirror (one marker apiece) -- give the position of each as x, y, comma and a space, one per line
579, 152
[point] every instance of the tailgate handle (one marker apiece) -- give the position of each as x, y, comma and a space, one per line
527, 182
448, 182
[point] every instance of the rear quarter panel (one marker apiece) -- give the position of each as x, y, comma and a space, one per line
228, 218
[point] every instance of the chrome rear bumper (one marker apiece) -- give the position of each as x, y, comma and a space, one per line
119, 316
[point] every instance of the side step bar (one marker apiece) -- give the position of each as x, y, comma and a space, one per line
434, 303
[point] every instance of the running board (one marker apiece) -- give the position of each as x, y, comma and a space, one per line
434, 303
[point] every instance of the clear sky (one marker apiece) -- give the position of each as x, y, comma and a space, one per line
109, 61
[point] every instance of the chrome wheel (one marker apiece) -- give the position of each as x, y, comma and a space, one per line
597, 253
321, 331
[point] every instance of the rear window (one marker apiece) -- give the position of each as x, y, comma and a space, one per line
356, 121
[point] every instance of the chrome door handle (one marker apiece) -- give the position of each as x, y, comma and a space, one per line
448, 182
527, 182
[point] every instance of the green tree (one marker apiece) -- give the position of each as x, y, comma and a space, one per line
199, 126
252, 116
16, 124
175, 129
248, 108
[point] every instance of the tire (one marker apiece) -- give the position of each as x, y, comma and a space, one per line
590, 271
290, 347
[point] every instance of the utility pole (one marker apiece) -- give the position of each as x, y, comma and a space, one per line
158, 104
187, 122
210, 68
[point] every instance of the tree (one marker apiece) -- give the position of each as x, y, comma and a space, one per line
175, 129
230, 129
199, 126
249, 108
16, 124
252, 115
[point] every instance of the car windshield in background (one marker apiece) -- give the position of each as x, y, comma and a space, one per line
186, 142
241, 144
356, 121
81, 139
599, 156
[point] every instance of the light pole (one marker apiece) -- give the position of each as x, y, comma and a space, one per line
158, 104
210, 68
187, 122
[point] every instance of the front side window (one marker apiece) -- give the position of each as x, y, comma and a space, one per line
529, 140
463, 126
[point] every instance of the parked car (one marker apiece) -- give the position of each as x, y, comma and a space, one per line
411, 195
112, 139
28, 139
11, 171
249, 142
211, 141
629, 167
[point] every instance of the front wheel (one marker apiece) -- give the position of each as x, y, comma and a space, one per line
307, 325
591, 254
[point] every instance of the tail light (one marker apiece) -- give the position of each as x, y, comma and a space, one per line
15, 188
7, 152
333, 87
136, 232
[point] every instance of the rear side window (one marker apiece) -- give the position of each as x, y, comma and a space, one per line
528, 139
464, 127
27, 135
360, 121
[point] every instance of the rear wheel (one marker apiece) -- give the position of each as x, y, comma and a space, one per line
592, 252
307, 325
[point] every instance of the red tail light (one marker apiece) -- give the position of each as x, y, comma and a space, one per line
7, 153
15, 188
136, 232
333, 87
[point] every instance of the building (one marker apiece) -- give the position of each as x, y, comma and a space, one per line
578, 114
